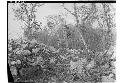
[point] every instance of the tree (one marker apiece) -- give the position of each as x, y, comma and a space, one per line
80, 21
25, 12
84, 17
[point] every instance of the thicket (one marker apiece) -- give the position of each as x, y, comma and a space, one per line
62, 52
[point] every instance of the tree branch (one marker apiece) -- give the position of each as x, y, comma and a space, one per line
76, 16
67, 9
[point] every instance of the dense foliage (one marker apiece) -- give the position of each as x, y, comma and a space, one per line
36, 62
61, 52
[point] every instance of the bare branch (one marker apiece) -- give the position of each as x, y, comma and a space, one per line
67, 9
76, 16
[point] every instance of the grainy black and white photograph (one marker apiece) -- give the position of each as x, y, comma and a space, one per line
61, 41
